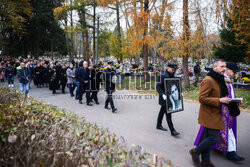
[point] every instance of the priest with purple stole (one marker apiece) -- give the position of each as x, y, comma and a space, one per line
228, 136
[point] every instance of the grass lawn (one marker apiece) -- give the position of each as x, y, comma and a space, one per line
193, 93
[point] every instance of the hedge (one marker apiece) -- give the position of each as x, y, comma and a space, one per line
39, 134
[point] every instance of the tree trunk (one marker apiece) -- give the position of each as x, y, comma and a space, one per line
66, 35
145, 45
94, 47
118, 30
71, 33
186, 35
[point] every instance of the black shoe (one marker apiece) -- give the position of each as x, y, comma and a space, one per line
76, 98
161, 128
80, 102
97, 102
174, 133
234, 157
72, 95
114, 110
107, 108
89, 104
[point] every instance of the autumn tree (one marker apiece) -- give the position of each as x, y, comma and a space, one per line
13, 18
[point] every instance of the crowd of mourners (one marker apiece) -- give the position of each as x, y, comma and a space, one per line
79, 77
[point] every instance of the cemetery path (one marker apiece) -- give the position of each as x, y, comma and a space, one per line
136, 122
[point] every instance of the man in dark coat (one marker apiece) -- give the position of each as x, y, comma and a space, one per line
95, 82
83, 77
169, 73
197, 72
108, 76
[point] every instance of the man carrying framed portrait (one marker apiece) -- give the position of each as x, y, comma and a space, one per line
169, 96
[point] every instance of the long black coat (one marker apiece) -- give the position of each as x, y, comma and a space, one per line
95, 79
54, 82
46, 75
63, 76
38, 72
108, 75
161, 89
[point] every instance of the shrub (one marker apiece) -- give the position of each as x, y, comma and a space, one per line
38, 134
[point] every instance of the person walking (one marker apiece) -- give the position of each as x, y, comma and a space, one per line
38, 71
169, 73
71, 79
228, 136
10, 74
197, 73
23, 75
83, 76
95, 83
63, 79
213, 93
53, 85
108, 76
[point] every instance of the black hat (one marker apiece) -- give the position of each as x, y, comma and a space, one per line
171, 65
232, 66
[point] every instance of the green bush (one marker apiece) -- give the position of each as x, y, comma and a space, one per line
38, 134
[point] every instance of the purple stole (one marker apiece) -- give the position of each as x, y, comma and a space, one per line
229, 122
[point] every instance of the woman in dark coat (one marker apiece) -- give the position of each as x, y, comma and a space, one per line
38, 72
53, 85
63, 74
46, 77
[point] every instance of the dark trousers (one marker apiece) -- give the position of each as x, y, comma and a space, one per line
10, 79
109, 99
168, 117
84, 88
72, 88
94, 95
211, 137
196, 79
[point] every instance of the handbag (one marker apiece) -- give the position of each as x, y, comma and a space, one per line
233, 108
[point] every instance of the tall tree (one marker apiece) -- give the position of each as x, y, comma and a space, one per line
229, 48
186, 35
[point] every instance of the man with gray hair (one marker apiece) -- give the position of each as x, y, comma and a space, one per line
213, 92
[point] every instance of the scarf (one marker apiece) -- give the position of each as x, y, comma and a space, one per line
220, 78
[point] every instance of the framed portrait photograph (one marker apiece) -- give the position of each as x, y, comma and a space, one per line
173, 91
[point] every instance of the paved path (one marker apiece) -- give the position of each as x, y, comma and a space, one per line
136, 120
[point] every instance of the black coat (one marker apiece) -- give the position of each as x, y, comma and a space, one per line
161, 89
108, 75
63, 76
95, 79
38, 72
54, 82
9, 71
197, 69
82, 74
46, 75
